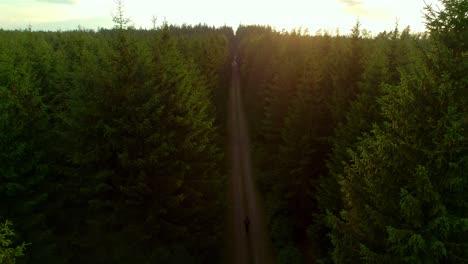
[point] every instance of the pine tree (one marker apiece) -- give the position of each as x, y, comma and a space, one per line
24, 168
405, 165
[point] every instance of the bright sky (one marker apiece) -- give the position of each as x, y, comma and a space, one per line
374, 15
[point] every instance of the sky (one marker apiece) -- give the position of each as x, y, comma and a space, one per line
374, 15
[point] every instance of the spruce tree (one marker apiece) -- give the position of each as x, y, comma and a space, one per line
408, 164
24, 165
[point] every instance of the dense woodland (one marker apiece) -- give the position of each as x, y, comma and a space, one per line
111, 148
360, 141
112, 142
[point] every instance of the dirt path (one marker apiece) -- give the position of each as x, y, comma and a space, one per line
253, 246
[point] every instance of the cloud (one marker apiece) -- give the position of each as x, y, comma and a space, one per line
351, 3
359, 8
67, 2
71, 24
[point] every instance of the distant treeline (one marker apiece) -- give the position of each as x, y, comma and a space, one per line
112, 145
360, 142
112, 142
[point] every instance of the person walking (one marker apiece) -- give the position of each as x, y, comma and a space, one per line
246, 224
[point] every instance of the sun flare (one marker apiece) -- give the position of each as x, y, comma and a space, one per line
312, 15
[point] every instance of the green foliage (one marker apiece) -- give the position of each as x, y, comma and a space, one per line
295, 86
119, 18
8, 252
155, 153
112, 150
399, 168
362, 141
388, 51
24, 169
111, 146
395, 175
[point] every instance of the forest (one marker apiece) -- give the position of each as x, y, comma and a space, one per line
113, 142
111, 150
360, 142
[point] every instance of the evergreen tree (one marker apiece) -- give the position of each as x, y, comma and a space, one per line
8, 252
405, 165
24, 168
